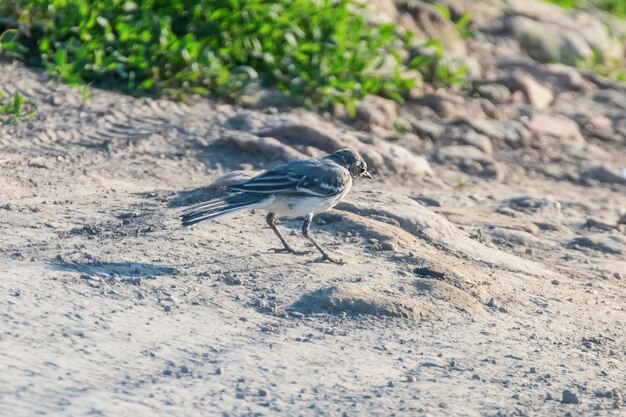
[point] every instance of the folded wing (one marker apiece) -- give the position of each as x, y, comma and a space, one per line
311, 177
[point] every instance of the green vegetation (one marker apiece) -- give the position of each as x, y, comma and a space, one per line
613, 70
15, 108
614, 7
319, 52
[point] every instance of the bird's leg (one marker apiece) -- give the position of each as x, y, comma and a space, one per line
305, 232
271, 220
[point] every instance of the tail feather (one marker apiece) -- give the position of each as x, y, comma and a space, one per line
213, 209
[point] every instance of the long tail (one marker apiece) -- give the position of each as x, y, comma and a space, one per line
213, 209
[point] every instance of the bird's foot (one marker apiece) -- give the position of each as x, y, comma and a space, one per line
327, 257
289, 250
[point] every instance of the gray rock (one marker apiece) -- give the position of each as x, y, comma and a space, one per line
496, 93
427, 128
597, 244
470, 160
551, 34
434, 25
569, 397
558, 127
477, 140
533, 205
539, 96
511, 132
605, 174
375, 110
548, 43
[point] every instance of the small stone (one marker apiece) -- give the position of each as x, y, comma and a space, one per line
410, 378
240, 395
515, 396
618, 276
167, 372
387, 246
262, 392
476, 376
375, 110
533, 370
167, 308
184, 370
605, 174
622, 220
219, 370
491, 303
539, 96
555, 282
558, 127
569, 397
477, 140
390, 384
496, 93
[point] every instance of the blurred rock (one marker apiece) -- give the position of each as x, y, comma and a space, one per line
539, 97
569, 397
511, 132
557, 76
375, 110
532, 205
470, 160
558, 127
308, 134
426, 128
434, 25
546, 42
450, 106
605, 174
496, 93
601, 127
551, 34
481, 142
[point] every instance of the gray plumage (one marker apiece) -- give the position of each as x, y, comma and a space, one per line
295, 189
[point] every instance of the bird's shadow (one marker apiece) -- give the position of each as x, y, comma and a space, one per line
123, 269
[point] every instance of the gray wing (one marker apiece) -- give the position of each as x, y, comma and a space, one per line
311, 177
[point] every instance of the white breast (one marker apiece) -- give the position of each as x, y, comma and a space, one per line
299, 206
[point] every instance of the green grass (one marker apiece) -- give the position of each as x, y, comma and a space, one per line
614, 7
14, 108
319, 52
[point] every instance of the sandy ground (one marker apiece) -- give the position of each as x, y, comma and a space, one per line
108, 307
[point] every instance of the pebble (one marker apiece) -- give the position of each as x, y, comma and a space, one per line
390, 384
219, 370
569, 397
167, 372
410, 378
262, 392
533, 370
555, 282
618, 276
387, 246
167, 308
184, 370
476, 376
491, 303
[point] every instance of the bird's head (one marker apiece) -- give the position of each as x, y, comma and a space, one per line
352, 161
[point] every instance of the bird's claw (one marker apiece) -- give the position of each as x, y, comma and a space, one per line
289, 250
332, 260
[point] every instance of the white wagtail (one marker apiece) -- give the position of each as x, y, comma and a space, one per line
295, 189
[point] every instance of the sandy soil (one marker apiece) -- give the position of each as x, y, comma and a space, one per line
446, 307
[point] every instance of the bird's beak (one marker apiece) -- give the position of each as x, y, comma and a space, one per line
366, 174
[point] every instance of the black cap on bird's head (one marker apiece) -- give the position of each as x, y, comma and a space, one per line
352, 161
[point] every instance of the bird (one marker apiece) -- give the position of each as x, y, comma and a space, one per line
296, 189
